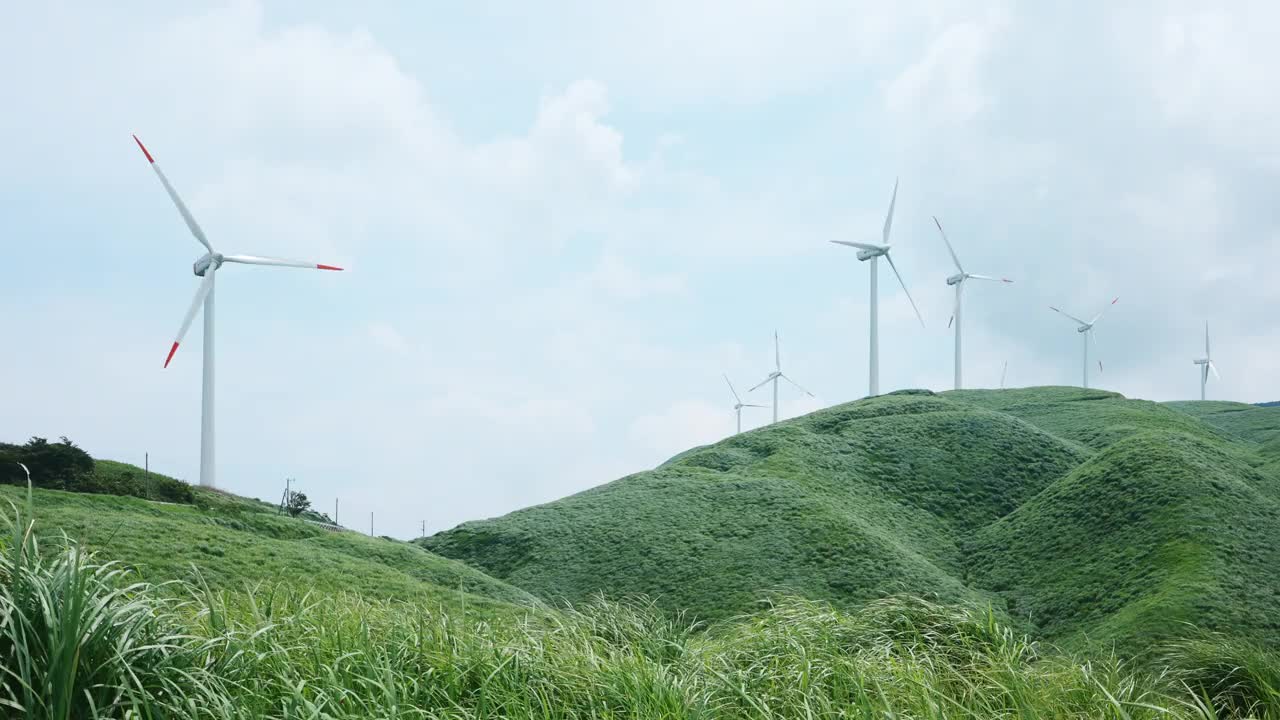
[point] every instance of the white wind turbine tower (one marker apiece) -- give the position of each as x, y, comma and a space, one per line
958, 280
1086, 332
738, 404
867, 251
1206, 363
207, 267
777, 373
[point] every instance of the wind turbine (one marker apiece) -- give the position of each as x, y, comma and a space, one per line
1086, 331
867, 251
958, 281
207, 267
1206, 363
738, 404
1003, 371
777, 373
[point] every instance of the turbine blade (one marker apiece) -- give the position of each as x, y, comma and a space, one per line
888, 219
777, 353
762, 383
889, 257
735, 392
793, 382
201, 293
1073, 317
988, 277
1206, 341
952, 320
280, 262
1099, 366
751, 405
1214, 368
948, 242
860, 246
173, 194
1104, 310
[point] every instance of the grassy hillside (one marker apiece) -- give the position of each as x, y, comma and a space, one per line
236, 543
73, 645
1254, 424
1090, 515
1158, 530
842, 505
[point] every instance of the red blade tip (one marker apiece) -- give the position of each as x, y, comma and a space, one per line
327, 267
172, 350
144, 150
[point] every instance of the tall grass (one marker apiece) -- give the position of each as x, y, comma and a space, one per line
77, 640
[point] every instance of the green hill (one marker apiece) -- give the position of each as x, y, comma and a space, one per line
1257, 425
1085, 514
236, 543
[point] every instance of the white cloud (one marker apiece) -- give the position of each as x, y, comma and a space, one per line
945, 85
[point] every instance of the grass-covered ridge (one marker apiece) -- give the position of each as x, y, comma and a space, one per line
233, 543
1086, 516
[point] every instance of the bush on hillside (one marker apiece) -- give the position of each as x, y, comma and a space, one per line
112, 478
297, 503
65, 466
57, 465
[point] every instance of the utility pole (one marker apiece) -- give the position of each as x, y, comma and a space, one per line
424, 529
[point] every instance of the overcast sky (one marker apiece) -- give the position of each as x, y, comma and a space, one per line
562, 223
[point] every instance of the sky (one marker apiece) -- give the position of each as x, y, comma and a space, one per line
563, 221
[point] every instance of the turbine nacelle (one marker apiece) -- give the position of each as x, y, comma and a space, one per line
207, 262
1084, 328
1201, 361
957, 278
869, 253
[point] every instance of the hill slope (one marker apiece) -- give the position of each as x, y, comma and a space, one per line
236, 542
1090, 514
843, 504
1258, 425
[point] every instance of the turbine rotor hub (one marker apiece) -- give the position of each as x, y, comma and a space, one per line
957, 279
206, 262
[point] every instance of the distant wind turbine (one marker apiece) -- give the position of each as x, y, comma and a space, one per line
867, 251
1206, 363
777, 373
1086, 331
206, 267
958, 280
1003, 370
738, 404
